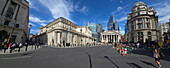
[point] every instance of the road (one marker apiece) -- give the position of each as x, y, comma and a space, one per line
80, 57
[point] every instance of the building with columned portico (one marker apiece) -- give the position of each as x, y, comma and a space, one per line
64, 32
111, 36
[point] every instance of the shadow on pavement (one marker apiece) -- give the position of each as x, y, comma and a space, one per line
134, 65
111, 61
89, 59
150, 54
148, 63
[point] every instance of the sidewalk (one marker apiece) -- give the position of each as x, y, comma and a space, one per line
75, 46
16, 53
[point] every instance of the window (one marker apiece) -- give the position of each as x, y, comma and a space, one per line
149, 36
6, 23
140, 25
139, 20
13, 3
148, 25
138, 13
138, 8
140, 36
132, 27
146, 12
13, 38
17, 25
10, 10
8, 15
147, 19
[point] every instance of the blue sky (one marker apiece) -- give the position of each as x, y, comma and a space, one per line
95, 11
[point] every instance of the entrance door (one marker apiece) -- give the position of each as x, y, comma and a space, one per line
3, 35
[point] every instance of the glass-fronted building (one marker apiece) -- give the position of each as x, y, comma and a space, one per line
112, 24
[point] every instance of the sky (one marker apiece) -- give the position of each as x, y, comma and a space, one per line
42, 12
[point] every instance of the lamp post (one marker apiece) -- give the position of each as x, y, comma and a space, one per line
28, 33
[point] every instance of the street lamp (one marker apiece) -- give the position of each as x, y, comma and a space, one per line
28, 33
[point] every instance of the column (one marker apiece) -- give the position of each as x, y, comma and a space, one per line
113, 38
6, 8
15, 12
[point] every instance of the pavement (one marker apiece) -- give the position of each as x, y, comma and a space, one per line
80, 57
16, 53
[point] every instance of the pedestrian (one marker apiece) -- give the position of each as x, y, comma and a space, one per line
12, 47
26, 45
157, 56
5, 46
138, 44
9, 46
20, 45
38, 45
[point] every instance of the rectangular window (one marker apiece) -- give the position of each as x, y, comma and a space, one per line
8, 15
147, 19
148, 25
6, 23
139, 20
138, 13
140, 25
13, 38
17, 25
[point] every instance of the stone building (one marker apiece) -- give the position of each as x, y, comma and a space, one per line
111, 36
142, 23
163, 28
14, 19
64, 32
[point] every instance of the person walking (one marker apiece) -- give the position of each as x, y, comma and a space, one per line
26, 46
9, 46
5, 46
157, 56
20, 45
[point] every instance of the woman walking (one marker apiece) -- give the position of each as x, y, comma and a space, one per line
157, 56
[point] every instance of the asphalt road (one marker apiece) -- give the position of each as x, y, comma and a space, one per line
81, 57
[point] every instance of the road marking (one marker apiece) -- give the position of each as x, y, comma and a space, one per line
17, 57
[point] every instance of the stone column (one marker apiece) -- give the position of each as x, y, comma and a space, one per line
6, 8
15, 12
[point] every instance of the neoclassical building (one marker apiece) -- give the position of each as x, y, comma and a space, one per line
14, 19
142, 23
62, 31
111, 36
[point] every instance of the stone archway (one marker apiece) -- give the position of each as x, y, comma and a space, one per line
3, 35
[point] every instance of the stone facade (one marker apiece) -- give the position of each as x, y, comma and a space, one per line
111, 36
14, 19
62, 31
142, 24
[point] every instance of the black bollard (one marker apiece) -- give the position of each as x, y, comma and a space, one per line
19, 49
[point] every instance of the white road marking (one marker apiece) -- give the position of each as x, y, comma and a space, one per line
17, 57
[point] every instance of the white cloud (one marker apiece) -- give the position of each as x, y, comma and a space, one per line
119, 8
58, 8
163, 11
81, 9
122, 32
34, 31
35, 19
43, 24
122, 19
164, 19
31, 4
38, 20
